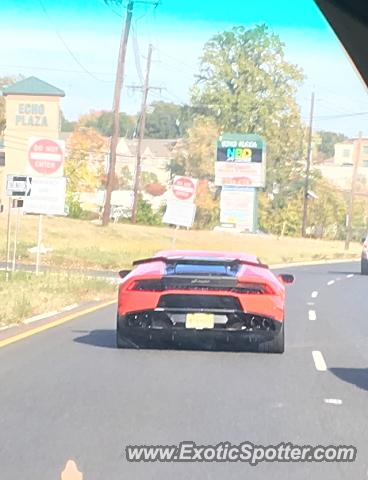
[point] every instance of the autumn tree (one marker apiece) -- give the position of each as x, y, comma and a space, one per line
84, 164
194, 154
326, 213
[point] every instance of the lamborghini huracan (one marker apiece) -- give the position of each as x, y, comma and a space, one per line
202, 300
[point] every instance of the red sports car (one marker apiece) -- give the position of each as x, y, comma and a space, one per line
202, 300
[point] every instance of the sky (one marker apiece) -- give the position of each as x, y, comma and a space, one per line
74, 45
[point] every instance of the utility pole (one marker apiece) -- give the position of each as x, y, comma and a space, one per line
349, 219
142, 125
116, 112
307, 172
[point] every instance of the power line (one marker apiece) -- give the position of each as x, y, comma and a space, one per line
49, 69
138, 66
109, 7
68, 49
342, 115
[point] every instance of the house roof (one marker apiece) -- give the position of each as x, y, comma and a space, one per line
33, 86
351, 141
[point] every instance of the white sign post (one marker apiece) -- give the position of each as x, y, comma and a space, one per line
181, 209
47, 198
16, 186
180, 213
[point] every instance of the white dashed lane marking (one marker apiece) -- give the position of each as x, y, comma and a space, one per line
312, 315
333, 401
331, 282
319, 361
314, 294
350, 275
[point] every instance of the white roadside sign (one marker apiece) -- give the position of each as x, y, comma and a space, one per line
18, 185
179, 213
47, 196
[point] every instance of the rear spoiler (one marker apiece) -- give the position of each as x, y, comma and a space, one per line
199, 261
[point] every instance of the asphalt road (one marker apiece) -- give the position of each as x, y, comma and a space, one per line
67, 393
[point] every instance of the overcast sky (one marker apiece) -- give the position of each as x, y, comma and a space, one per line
74, 44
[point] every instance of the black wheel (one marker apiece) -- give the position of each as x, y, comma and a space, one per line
364, 267
122, 342
276, 345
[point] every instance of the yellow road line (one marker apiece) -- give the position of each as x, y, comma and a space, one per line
55, 323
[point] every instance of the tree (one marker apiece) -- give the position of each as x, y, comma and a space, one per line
102, 122
167, 120
195, 153
208, 208
246, 85
125, 179
5, 82
328, 140
326, 213
66, 125
84, 165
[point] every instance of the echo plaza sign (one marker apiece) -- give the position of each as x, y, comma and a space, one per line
31, 114
240, 160
240, 168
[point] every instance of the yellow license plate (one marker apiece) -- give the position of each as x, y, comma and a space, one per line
200, 320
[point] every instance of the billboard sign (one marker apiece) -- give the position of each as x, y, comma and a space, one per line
179, 213
238, 207
240, 160
47, 196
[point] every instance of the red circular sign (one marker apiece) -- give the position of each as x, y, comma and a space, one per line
45, 156
183, 188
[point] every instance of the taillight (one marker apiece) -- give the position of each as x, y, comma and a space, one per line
149, 285
254, 288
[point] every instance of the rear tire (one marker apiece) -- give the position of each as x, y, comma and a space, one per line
364, 267
276, 345
122, 342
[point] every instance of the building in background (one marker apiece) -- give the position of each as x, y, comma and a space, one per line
32, 111
339, 169
157, 155
344, 152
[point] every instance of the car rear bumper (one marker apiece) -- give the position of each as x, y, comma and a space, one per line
220, 339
